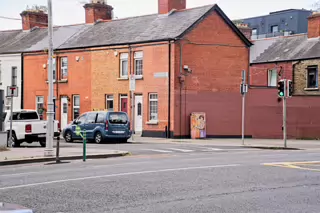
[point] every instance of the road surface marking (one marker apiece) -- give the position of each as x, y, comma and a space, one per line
295, 165
117, 175
181, 150
211, 149
159, 150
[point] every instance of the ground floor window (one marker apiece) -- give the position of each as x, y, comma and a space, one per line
109, 102
40, 106
153, 106
76, 106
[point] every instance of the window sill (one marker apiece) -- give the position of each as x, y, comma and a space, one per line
139, 77
123, 79
311, 89
152, 122
59, 81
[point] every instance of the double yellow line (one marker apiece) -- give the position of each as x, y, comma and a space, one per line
296, 165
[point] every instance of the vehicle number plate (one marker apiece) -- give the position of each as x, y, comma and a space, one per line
42, 136
118, 132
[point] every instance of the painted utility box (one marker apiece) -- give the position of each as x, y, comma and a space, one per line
198, 125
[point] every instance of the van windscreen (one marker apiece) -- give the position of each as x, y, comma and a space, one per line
118, 118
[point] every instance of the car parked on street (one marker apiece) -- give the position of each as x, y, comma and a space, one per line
27, 127
99, 126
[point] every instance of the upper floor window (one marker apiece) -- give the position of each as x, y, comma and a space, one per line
14, 75
124, 65
64, 67
312, 77
272, 78
274, 29
254, 31
138, 63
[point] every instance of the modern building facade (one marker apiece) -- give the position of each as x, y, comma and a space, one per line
279, 23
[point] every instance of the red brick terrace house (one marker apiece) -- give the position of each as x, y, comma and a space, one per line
293, 57
183, 60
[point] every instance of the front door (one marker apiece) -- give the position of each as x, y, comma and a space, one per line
124, 104
138, 113
64, 112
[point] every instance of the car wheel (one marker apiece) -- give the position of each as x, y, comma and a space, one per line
68, 137
98, 137
42, 143
15, 142
125, 140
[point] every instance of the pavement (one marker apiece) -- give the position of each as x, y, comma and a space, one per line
249, 180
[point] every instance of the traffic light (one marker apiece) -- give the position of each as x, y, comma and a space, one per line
281, 88
290, 88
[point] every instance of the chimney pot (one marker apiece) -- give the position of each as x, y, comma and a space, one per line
165, 6
245, 29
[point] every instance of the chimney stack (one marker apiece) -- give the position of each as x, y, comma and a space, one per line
314, 25
96, 10
245, 29
34, 18
165, 6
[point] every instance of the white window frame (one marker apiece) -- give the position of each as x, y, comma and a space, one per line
74, 106
64, 68
14, 76
272, 82
110, 98
39, 102
54, 69
316, 75
138, 56
124, 57
153, 100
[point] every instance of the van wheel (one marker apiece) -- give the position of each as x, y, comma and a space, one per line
42, 143
98, 138
68, 137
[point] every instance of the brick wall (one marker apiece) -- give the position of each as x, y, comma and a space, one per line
213, 87
79, 81
106, 80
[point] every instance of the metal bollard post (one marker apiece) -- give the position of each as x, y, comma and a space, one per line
58, 150
84, 145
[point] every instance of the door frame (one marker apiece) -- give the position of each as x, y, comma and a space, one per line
135, 112
61, 109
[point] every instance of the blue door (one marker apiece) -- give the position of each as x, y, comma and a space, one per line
90, 125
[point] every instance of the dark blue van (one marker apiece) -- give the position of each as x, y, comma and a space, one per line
100, 126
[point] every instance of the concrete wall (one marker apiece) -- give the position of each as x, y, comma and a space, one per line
7, 62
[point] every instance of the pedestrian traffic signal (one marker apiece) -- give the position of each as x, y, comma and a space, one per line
281, 88
290, 88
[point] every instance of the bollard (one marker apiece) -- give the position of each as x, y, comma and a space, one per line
58, 150
84, 145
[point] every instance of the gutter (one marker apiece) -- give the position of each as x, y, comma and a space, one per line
169, 91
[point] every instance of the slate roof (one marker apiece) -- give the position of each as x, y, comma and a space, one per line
289, 48
139, 29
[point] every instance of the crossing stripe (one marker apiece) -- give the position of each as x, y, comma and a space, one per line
159, 150
212, 149
181, 150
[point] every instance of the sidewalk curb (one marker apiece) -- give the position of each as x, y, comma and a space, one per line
272, 147
49, 159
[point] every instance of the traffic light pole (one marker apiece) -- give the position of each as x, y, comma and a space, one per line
285, 114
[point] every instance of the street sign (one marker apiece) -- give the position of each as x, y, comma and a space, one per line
132, 82
12, 91
78, 130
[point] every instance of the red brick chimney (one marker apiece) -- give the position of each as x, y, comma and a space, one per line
245, 29
165, 6
31, 19
314, 25
97, 10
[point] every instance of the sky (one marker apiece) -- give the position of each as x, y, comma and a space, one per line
67, 12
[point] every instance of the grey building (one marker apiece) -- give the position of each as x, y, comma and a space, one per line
279, 23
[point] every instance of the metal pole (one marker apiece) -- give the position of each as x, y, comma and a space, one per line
57, 150
84, 145
50, 113
243, 102
132, 111
285, 114
11, 113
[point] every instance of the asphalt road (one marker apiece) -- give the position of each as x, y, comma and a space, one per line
232, 181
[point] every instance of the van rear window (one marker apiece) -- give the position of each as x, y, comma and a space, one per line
118, 118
